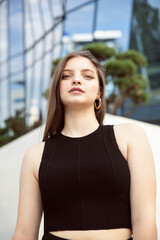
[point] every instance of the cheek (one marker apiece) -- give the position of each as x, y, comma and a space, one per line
61, 90
62, 87
94, 89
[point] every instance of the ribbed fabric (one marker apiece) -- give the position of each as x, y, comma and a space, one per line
85, 182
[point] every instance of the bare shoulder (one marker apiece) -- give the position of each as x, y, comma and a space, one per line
32, 158
129, 131
34, 150
128, 135
128, 126
138, 146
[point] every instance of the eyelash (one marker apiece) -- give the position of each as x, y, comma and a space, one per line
66, 76
88, 76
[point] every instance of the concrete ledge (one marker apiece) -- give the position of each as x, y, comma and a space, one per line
11, 156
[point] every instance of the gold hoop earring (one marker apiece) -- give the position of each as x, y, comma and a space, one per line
99, 103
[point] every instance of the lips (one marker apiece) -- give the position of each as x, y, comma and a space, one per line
76, 89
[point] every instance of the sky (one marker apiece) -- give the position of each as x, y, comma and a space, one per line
111, 15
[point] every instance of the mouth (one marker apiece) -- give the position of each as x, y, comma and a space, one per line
76, 90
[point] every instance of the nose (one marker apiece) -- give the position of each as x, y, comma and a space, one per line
76, 82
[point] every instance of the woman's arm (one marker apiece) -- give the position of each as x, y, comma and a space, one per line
30, 207
143, 184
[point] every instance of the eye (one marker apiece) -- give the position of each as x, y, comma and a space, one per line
66, 76
88, 76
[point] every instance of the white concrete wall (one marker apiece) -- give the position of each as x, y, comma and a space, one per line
11, 157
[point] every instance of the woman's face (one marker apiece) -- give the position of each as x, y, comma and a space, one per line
79, 72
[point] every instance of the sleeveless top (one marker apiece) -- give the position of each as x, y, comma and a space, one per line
84, 182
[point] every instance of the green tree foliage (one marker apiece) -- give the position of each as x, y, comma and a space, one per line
100, 50
120, 68
5, 136
46, 93
54, 64
15, 127
138, 58
128, 83
134, 87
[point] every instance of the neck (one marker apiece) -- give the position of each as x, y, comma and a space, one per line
79, 123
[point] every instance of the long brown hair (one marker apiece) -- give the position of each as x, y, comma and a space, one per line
55, 113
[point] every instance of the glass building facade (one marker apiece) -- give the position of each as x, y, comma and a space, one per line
30, 38
145, 37
31, 34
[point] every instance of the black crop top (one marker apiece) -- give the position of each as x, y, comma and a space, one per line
84, 182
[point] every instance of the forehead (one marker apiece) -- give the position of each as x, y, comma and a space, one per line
80, 63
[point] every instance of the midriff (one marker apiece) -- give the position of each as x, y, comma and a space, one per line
103, 234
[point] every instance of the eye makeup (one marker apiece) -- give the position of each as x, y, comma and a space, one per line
87, 73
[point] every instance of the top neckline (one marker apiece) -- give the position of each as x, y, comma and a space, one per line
82, 137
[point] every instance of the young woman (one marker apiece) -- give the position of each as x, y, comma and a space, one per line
92, 181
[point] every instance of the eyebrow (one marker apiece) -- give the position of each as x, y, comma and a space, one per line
83, 70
